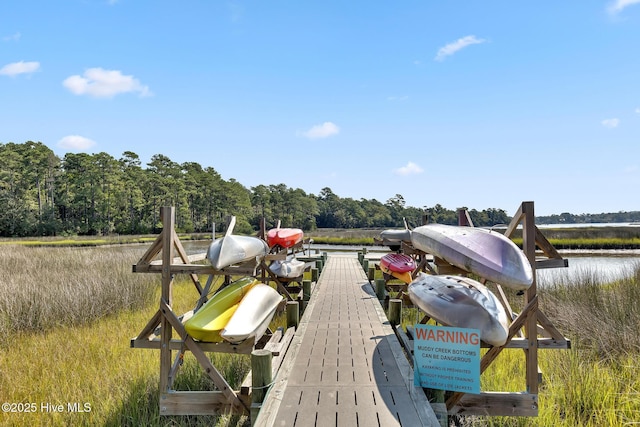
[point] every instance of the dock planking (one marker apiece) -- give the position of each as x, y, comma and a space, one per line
345, 366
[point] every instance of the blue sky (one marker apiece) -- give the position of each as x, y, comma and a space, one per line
462, 103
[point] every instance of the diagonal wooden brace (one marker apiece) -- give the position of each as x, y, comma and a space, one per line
202, 358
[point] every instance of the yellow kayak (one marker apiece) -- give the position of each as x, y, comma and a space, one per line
212, 317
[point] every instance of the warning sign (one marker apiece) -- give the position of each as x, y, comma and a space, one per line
447, 358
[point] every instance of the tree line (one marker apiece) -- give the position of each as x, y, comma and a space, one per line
96, 194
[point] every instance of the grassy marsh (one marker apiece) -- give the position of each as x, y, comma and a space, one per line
67, 314
597, 382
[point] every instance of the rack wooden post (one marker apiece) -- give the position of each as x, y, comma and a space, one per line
531, 320
158, 332
530, 330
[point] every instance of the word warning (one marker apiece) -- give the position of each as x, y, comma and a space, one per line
447, 358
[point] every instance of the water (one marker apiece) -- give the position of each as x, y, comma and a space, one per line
608, 268
609, 265
591, 224
579, 225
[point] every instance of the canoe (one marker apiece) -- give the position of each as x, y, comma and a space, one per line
284, 237
289, 268
254, 313
212, 317
394, 238
461, 302
398, 265
489, 254
232, 249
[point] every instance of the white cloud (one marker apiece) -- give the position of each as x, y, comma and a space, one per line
637, 110
409, 169
13, 37
321, 131
101, 83
610, 123
618, 5
76, 143
236, 10
20, 68
461, 43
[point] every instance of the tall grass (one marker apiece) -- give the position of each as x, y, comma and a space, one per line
578, 389
94, 364
75, 346
597, 382
43, 288
603, 317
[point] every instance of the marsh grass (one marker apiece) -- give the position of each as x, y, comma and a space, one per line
44, 288
85, 241
93, 363
75, 346
60, 355
601, 316
594, 243
597, 382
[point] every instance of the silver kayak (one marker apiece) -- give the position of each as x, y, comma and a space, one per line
394, 238
289, 268
232, 249
461, 302
253, 315
489, 254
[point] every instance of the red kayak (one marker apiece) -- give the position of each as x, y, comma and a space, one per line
285, 237
398, 265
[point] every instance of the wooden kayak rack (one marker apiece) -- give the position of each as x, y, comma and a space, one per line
286, 285
529, 331
159, 331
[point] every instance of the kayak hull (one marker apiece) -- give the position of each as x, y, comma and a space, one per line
284, 237
461, 302
254, 313
233, 249
206, 324
399, 266
489, 254
394, 238
288, 269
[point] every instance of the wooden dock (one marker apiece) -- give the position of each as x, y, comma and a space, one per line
345, 366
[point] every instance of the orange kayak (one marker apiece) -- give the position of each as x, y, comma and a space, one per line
284, 237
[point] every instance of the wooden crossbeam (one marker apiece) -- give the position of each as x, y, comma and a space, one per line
194, 403
498, 404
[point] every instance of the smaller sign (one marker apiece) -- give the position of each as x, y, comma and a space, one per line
447, 358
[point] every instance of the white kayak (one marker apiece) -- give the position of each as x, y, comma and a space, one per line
233, 249
394, 238
489, 254
289, 268
461, 302
253, 315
